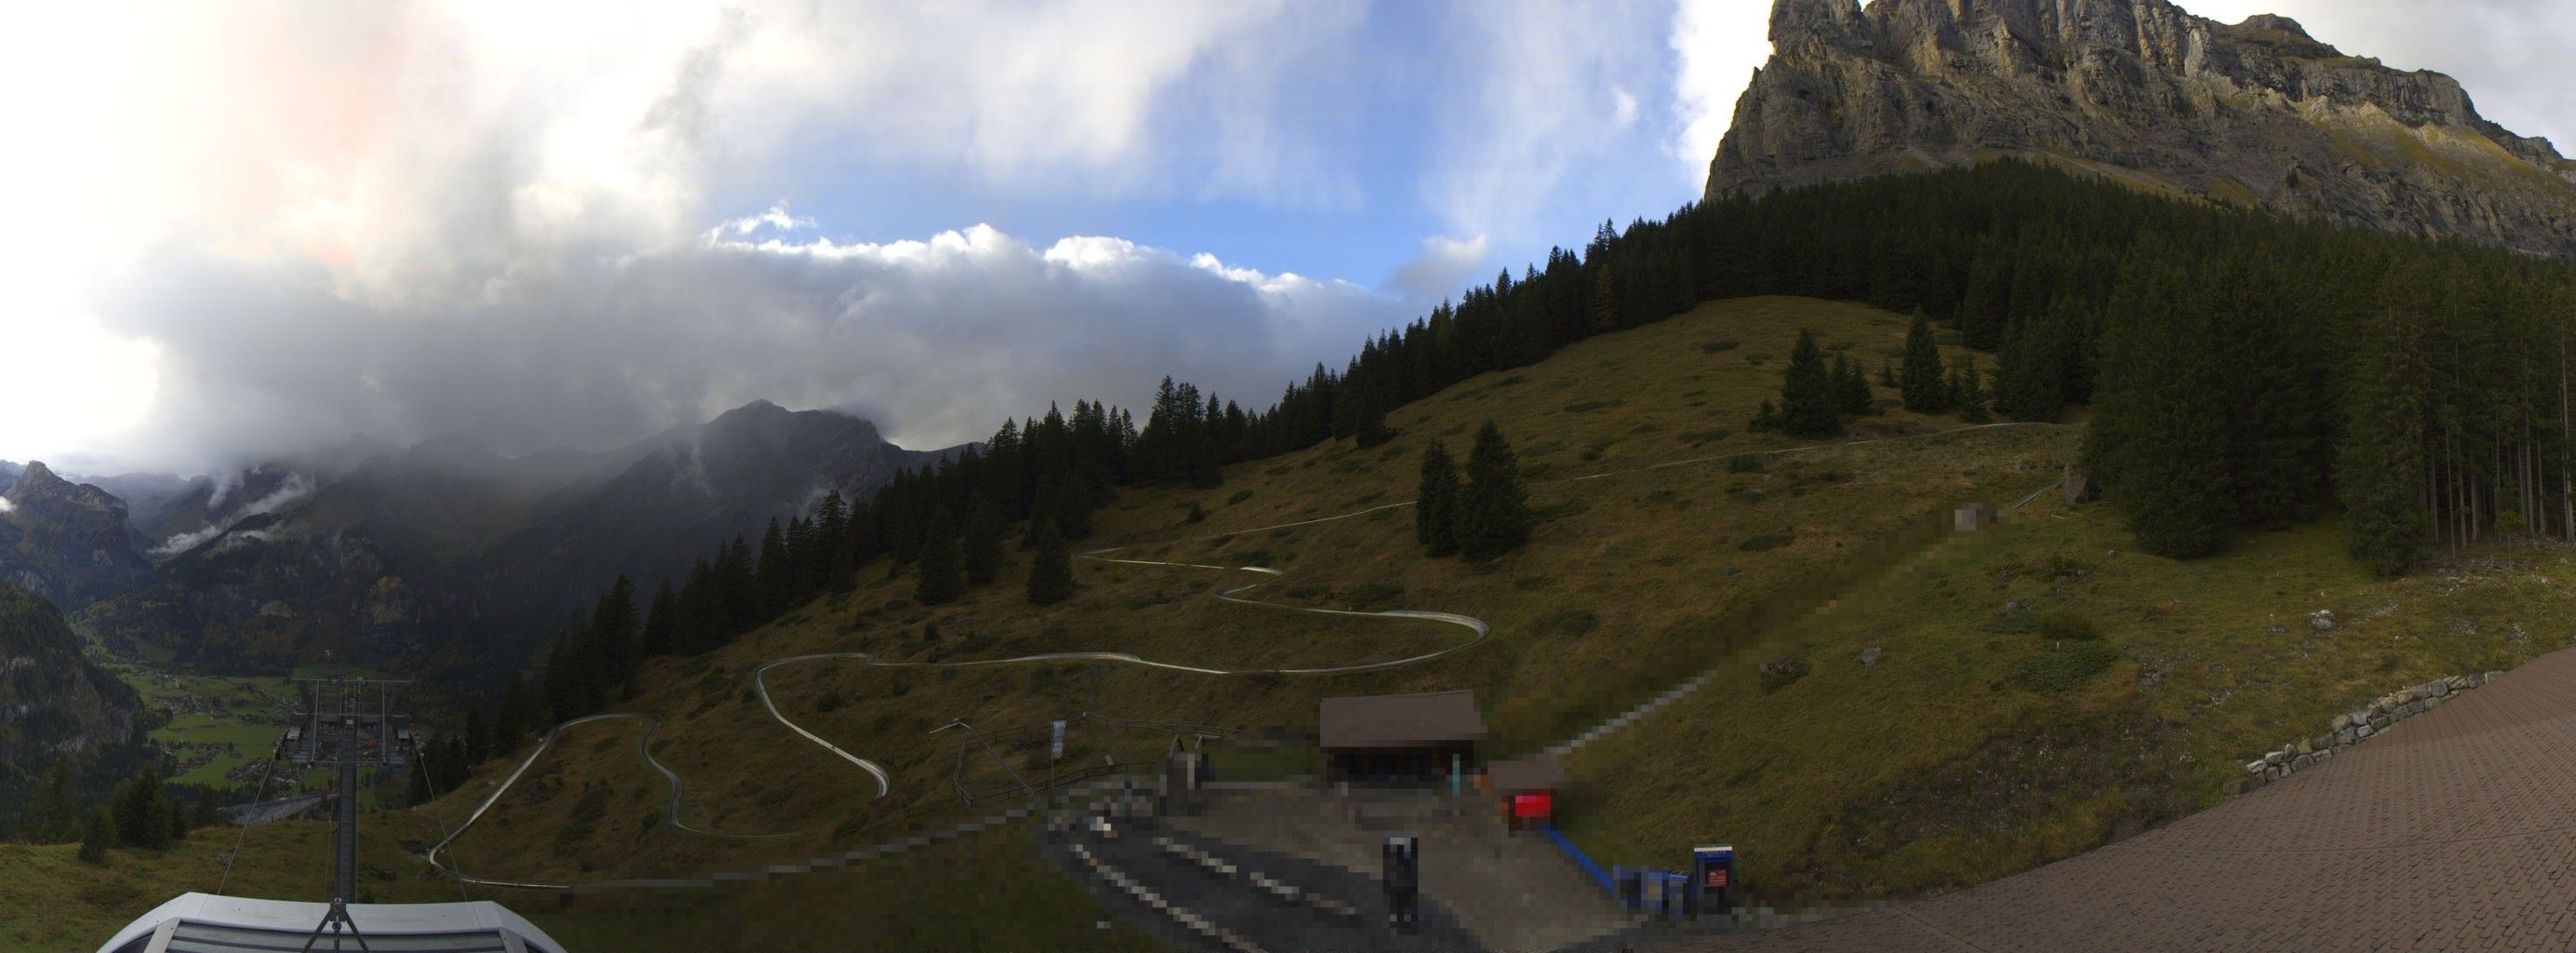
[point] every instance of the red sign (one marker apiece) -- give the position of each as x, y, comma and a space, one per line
1538, 806
1717, 878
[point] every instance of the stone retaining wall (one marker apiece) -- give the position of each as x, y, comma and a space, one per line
2352, 727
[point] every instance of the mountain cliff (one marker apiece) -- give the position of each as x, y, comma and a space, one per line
52, 700
695, 488
65, 540
2256, 113
447, 555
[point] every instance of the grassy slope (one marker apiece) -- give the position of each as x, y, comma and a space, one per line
1584, 621
1633, 582
1939, 767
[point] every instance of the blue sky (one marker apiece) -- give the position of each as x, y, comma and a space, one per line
1378, 133
275, 224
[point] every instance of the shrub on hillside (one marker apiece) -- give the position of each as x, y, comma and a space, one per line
1373, 595
1780, 673
1767, 542
2064, 666
2067, 626
97, 834
2011, 622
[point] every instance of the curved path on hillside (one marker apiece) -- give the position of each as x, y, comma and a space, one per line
2453, 830
643, 746
883, 779
877, 772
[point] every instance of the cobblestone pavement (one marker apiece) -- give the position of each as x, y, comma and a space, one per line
2454, 830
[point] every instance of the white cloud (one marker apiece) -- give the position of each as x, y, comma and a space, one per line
776, 218
943, 337
295, 487
1540, 136
1717, 44
268, 223
403, 167
1444, 265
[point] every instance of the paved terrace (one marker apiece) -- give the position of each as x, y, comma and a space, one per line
2454, 830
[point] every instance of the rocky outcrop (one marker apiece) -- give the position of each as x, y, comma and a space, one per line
66, 541
2257, 114
2354, 727
446, 556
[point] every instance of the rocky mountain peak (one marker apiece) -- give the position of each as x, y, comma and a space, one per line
66, 540
2258, 113
2277, 24
35, 471
1794, 21
40, 490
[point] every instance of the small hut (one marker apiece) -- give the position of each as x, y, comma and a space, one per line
1405, 739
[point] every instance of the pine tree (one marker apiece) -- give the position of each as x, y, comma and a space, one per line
661, 618
831, 560
1075, 515
804, 568
2379, 468
1348, 408
982, 546
1372, 426
1435, 507
832, 537
776, 576
573, 676
141, 813
1924, 385
702, 626
53, 812
1765, 420
613, 628
178, 820
1051, 568
206, 815
1806, 394
1988, 304
867, 539
737, 587
1606, 303
1851, 388
943, 570
518, 716
450, 764
2162, 454
98, 833
478, 746
1887, 373
1972, 397
2028, 379
1493, 512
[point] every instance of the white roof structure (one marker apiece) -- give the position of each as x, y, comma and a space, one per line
205, 923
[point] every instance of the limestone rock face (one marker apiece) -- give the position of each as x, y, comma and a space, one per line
66, 541
2256, 114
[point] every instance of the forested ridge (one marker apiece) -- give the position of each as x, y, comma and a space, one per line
2245, 372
